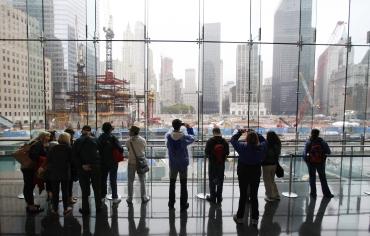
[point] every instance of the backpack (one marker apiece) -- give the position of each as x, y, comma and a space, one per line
316, 153
219, 153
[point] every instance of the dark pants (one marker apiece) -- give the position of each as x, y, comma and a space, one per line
216, 181
112, 179
55, 190
184, 189
70, 188
29, 185
320, 168
93, 177
248, 176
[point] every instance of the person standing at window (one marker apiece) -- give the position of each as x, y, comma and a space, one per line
269, 165
314, 154
216, 150
177, 142
136, 149
59, 171
87, 161
251, 154
109, 166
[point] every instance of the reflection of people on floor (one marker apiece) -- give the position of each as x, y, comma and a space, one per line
50, 225
268, 227
101, 223
312, 227
71, 226
214, 227
141, 229
247, 228
30, 227
114, 224
183, 222
86, 225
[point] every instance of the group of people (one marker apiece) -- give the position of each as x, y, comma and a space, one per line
90, 160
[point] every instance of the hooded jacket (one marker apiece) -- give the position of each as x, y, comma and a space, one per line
177, 143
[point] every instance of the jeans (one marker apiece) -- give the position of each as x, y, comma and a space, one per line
131, 170
184, 189
93, 177
269, 180
320, 168
216, 181
55, 190
248, 176
29, 185
112, 179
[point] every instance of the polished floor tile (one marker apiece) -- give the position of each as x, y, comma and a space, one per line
348, 213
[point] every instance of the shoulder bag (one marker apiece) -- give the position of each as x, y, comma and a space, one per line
141, 164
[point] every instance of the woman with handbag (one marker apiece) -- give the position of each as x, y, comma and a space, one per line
37, 151
136, 163
269, 165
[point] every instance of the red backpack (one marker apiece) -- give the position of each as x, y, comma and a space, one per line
316, 154
219, 153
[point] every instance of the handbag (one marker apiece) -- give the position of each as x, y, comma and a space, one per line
279, 171
141, 163
22, 156
117, 155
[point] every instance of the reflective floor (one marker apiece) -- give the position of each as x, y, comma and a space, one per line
348, 213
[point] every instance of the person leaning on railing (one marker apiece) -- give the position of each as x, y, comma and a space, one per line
251, 154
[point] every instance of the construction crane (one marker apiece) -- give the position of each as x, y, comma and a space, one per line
109, 35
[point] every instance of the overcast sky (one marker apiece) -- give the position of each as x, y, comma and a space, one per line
179, 20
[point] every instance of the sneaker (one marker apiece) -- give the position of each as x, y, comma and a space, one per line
254, 221
184, 207
116, 200
129, 201
145, 199
238, 220
269, 199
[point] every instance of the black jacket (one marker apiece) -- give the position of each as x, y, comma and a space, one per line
85, 152
60, 162
272, 154
106, 143
36, 151
210, 146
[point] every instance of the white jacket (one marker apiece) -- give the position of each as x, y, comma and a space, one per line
139, 145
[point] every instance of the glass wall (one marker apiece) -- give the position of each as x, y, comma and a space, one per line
287, 66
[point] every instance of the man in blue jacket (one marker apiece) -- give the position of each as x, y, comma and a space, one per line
177, 143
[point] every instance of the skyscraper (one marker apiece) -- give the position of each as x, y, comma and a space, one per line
285, 57
330, 61
212, 69
167, 83
247, 80
190, 96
